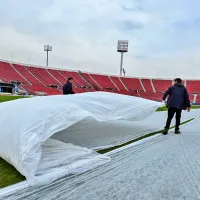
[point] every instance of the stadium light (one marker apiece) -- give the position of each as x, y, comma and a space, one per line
122, 47
47, 48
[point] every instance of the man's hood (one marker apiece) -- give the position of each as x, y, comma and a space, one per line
179, 84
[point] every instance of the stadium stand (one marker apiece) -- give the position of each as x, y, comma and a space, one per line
161, 85
57, 75
117, 81
197, 99
78, 80
193, 86
49, 81
8, 73
104, 81
41, 89
151, 95
147, 85
43, 75
125, 92
132, 83
27, 75
192, 98
91, 81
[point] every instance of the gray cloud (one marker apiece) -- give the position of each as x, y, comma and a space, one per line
128, 25
84, 34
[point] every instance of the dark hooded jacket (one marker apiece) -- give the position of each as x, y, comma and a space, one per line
178, 97
67, 88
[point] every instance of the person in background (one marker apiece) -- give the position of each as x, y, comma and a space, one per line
178, 100
16, 89
67, 87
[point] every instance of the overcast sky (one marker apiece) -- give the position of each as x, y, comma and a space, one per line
164, 35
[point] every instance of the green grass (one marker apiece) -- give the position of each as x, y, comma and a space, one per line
164, 108
10, 98
9, 175
137, 139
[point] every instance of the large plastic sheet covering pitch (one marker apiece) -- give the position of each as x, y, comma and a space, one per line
158, 168
100, 135
27, 125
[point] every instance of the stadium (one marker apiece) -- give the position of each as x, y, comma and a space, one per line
46, 81
113, 136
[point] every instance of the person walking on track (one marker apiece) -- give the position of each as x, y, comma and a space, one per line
178, 100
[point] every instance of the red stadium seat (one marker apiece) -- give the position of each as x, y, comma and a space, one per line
38, 79
198, 99
104, 81
117, 82
57, 75
47, 90
78, 80
151, 96
132, 83
44, 76
91, 81
147, 85
193, 86
8, 73
26, 74
161, 85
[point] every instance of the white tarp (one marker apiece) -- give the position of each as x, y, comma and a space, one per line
100, 135
157, 168
27, 124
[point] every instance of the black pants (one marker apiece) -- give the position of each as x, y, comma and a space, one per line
171, 112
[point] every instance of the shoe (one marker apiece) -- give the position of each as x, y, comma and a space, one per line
165, 132
177, 132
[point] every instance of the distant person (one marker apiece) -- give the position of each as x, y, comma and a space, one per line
15, 89
178, 100
67, 87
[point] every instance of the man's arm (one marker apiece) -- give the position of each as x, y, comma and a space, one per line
64, 89
187, 99
167, 92
70, 90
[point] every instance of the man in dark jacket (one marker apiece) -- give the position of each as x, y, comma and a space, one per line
178, 100
67, 87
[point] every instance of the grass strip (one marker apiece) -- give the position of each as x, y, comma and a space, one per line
164, 108
9, 175
102, 151
10, 98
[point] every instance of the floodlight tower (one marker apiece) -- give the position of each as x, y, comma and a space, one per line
122, 47
47, 48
